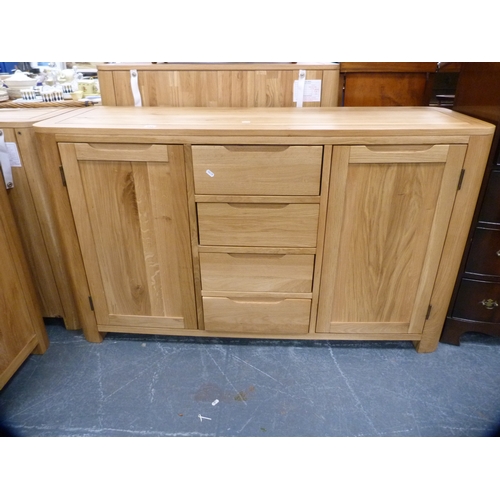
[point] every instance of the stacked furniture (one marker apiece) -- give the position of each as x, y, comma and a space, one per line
475, 304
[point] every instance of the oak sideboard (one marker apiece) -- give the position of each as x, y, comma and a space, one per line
29, 198
302, 223
219, 84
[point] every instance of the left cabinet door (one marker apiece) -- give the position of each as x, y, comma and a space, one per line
22, 330
130, 208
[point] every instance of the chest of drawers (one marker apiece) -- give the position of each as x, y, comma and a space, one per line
475, 302
257, 252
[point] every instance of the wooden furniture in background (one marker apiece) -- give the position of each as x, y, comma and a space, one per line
34, 215
386, 84
475, 304
22, 330
309, 223
215, 85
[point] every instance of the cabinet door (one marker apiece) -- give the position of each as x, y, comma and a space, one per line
21, 325
389, 208
129, 203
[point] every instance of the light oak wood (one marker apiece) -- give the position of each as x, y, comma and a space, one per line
21, 325
33, 214
325, 184
257, 249
137, 256
405, 154
32, 237
258, 224
258, 296
193, 227
257, 170
240, 272
378, 228
235, 139
267, 334
68, 264
283, 199
255, 315
122, 152
215, 85
385, 239
366, 125
456, 236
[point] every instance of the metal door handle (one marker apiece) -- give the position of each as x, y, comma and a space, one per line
489, 303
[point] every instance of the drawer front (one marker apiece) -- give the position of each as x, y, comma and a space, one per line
258, 224
257, 170
478, 301
256, 315
235, 272
484, 255
490, 210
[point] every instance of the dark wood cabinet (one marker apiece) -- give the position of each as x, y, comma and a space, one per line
386, 84
475, 304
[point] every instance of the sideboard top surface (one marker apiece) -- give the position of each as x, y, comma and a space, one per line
303, 122
25, 117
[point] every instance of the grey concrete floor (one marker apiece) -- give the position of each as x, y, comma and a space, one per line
135, 385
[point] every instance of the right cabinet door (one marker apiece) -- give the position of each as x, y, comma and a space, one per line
388, 213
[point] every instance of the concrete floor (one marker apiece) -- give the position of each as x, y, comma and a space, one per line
134, 385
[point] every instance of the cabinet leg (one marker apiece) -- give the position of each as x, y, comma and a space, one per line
451, 335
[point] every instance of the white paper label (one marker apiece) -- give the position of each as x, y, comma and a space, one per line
312, 91
15, 159
5, 163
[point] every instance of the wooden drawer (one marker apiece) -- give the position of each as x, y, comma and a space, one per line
484, 255
257, 170
478, 301
258, 224
256, 315
241, 272
490, 210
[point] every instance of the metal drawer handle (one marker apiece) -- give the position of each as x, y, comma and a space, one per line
498, 253
489, 303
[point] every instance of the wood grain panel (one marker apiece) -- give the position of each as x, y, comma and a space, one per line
385, 241
387, 89
122, 152
139, 257
247, 224
256, 315
28, 224
386, 226
221, 86
21, 324
257, 170
406, 154
256, 272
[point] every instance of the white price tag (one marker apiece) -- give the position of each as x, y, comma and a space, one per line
5, 163
311, 91
15, 159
